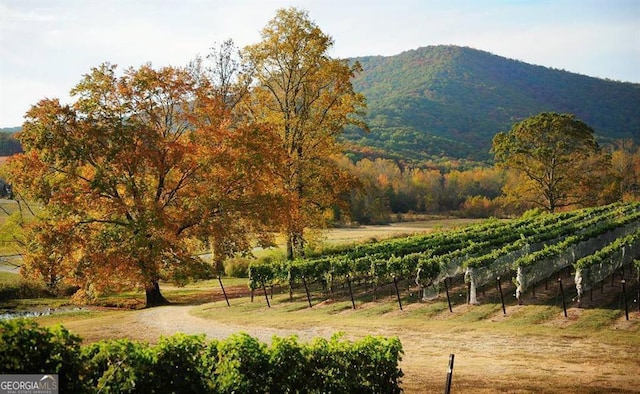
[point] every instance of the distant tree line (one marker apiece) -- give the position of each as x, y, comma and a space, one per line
390, 187
9, 144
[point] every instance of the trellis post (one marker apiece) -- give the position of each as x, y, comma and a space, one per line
223, 292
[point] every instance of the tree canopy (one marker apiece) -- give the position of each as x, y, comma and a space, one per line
556, 156
308, 98
135, 176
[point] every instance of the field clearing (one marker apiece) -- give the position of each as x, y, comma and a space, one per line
365, 233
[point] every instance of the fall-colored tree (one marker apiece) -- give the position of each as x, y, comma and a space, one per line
625, 170
390, 186
223, 68
554, 156
134, 176
306, 96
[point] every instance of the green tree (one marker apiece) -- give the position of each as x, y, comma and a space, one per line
553, 154
308, 98
134, 176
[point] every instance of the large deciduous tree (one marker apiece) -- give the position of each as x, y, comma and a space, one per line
134, 175
308, 98
555, 157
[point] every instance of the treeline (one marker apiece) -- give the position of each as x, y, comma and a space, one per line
190, 364
387, 188
9, 144
390, 187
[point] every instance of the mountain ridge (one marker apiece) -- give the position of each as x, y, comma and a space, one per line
449, 101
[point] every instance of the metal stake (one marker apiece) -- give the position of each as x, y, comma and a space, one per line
624, 297
564, 304
446, 289
353, 303
395, 283
266, 297
447, 387
223, 292
504, 311
306, 289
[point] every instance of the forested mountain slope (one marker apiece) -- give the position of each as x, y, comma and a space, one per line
449, 101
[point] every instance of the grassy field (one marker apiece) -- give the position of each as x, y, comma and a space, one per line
531, 348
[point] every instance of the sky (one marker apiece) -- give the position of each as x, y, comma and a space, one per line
47, 45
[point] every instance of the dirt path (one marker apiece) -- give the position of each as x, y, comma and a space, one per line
486, 360
171, 319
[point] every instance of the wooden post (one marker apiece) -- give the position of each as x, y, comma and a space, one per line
504, 311
223, 292
564, 304
306, 289
446, 289
624, 297
353, 303
395, 284
447, 387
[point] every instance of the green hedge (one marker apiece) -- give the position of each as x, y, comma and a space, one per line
190, 364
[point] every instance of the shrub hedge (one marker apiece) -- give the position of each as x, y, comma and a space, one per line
191, 364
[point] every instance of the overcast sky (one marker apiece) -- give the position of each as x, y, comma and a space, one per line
47, 45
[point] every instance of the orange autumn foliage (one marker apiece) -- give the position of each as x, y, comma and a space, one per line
136, 171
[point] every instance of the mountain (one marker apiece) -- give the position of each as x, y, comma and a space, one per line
449, 101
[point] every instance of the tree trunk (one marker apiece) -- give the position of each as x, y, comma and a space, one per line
289, 247
295, 245
154, 297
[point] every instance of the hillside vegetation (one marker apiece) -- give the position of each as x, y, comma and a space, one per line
450, 101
